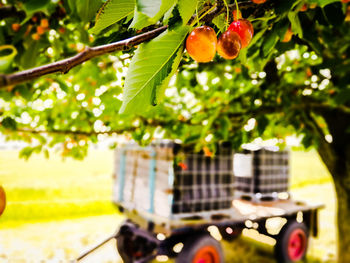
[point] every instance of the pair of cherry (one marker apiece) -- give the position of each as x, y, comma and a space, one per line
202, 43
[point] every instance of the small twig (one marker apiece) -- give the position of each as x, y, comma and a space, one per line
70, 132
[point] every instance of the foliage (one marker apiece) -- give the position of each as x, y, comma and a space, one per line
276, 87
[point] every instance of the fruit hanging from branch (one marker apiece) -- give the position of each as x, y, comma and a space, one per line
258, 1
288, 35
229, 45
201, 44
244, 29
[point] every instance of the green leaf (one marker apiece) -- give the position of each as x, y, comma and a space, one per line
144, 12
263, 122
171, 68
148, 7
243, 55
87, 9
257, 36
112, 12
32, 6
186, 9
26, 152
295, 22
149, 68
269, 42
323, 3
29, 57
9, 123
220, 22
281, 27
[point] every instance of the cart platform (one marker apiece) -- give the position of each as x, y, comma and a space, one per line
240, 212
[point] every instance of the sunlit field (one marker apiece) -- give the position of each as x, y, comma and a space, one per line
56, 209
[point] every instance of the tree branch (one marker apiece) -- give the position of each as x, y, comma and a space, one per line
70, 132
65, 65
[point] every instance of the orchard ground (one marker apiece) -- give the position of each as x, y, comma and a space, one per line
56, 209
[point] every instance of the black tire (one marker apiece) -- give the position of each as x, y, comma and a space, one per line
2, 200
124, 249
292, 242
198, 244
232, 236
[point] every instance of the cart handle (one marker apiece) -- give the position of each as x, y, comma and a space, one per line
96, 247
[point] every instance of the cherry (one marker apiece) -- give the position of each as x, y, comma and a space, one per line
288, 35
201, 44
304, 8
236, 15
44, 23
345, 1
16, 27
40, 30
35, 36
244, 29
229, 45
258, 1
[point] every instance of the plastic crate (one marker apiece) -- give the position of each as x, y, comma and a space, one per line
168, 180
261, 175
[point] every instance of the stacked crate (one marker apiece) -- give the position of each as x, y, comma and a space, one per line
169, 180
261, 175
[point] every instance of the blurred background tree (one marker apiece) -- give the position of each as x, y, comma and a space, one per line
292, 79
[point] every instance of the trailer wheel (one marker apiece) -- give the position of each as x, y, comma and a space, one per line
2, 200
230, 234
292, 242
124, 247
201, 249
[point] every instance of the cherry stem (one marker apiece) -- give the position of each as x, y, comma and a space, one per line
237, 10
197, 13
204, 14
227, 14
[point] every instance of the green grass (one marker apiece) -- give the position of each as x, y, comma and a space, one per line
54, 189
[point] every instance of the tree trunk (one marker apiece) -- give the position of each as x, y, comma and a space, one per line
336, 156
342, 186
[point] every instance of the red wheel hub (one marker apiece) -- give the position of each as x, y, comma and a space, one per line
207, 254
297, 244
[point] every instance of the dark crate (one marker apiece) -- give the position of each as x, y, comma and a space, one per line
261, 174
182, 182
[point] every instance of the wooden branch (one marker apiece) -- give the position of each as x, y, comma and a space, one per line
65, 65
70, 132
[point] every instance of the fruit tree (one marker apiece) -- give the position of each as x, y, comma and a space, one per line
196, 70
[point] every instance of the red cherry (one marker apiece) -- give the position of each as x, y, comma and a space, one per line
2, 200
304, 8
236, 15
201, 44
244, 29
229, 45
258, 1
183, 165
345, 1
288, 36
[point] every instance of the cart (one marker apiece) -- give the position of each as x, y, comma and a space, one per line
172, 196
143, 236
